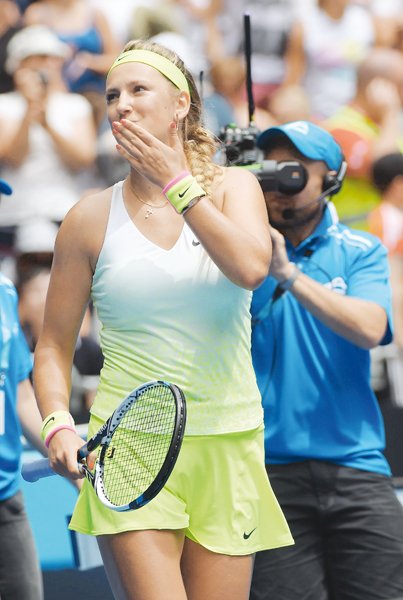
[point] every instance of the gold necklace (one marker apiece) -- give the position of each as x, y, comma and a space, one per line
150, 207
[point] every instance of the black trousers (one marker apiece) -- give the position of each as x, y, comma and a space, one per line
20, 574
348, 530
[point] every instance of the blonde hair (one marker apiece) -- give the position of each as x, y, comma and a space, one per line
199, 144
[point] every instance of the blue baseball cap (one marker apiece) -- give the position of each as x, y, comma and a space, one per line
5, 188
309, 139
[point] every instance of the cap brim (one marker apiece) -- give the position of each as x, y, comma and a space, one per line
5, 188
266, 137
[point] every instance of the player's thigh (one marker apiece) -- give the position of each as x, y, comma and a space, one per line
295, 572
144, 565
20, 575
365, 549
215, 576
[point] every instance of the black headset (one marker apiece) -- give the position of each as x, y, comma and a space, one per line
333, 183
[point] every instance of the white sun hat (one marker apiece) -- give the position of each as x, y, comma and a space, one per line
34, 40
36, 235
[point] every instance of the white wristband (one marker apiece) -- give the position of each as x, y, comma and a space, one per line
287, 284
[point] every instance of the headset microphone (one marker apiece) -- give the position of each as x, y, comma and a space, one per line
332, 186
289, 213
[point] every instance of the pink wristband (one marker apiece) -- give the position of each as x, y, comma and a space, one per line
175, 180
55, 430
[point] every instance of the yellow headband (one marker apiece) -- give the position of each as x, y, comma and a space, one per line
162, 64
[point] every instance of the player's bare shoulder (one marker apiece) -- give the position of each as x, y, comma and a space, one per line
238, 182
85, 224
236, 176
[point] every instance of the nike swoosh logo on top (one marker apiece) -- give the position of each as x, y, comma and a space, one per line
50, 420
246, 536
194, 243
183, 193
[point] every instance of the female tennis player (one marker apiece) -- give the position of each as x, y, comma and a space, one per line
169, 256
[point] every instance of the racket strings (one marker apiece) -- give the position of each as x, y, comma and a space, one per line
139, 446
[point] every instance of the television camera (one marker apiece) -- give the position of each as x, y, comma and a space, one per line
240, 149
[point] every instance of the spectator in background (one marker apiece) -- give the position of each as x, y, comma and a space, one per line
20, 575
23, 4
88, 359
148, 21
86, 30
34, 247
291, 103
224, 29
390, 15
47, 133
120, 15
196, 21
327, 42
217, 25
228, 103
10, 23
271, 22
386, 221
367, 128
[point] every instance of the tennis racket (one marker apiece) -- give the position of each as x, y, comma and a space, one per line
137, 447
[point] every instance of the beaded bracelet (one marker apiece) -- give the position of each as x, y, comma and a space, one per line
60, 419
182, 190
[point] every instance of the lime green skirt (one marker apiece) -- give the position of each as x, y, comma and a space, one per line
218, 493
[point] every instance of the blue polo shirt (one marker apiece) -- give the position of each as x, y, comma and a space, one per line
15, 366
315, 384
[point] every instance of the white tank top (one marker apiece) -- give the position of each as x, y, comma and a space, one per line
334, 48
172, 315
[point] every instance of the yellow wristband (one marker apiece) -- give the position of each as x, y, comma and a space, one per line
60, 419
181, 192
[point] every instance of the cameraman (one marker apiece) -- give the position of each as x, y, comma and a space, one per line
324, 305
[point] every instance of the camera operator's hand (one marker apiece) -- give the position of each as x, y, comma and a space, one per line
280, 268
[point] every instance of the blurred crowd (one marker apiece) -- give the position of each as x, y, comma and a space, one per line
338, 63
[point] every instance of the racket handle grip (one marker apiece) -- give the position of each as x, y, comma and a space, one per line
36, 469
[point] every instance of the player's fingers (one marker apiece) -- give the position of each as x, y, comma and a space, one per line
91, 459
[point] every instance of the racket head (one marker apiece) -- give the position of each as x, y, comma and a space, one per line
139, 446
